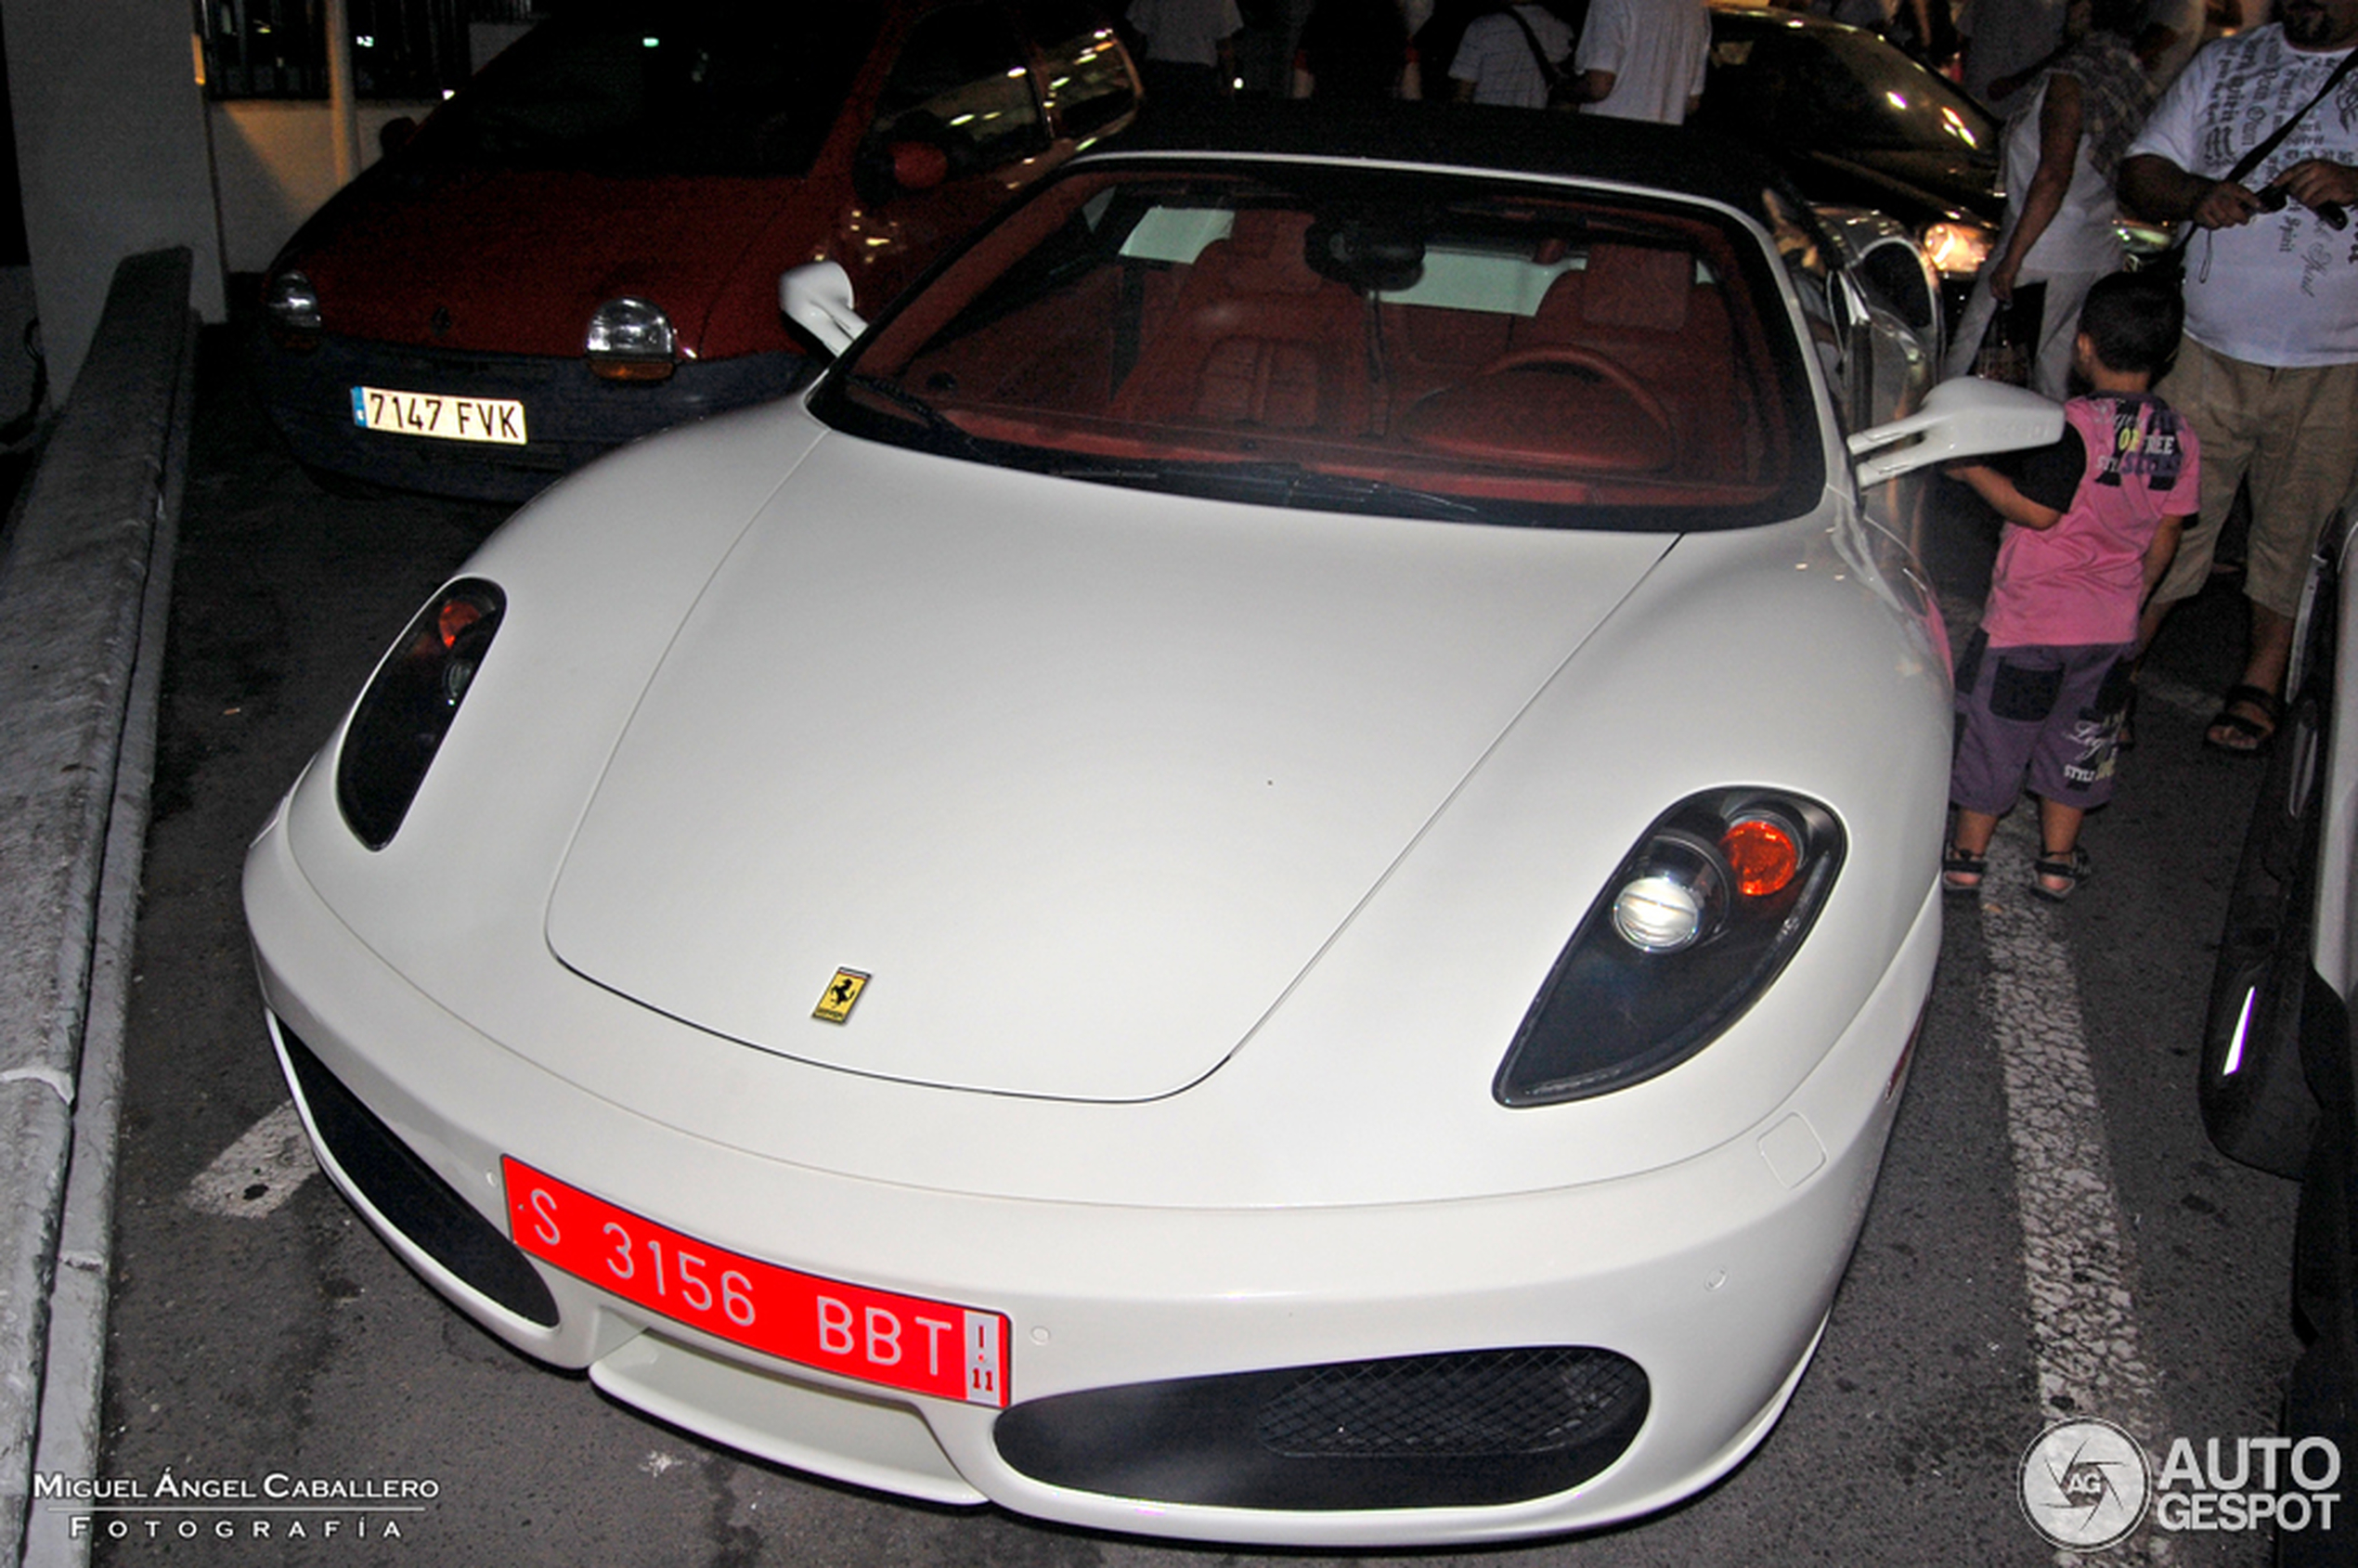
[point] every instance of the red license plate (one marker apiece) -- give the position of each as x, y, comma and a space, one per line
901, 1341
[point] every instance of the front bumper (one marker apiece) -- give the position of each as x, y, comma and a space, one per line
1712, 1278
571, 415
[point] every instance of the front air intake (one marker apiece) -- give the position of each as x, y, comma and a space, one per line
414, 1200
1469, 1429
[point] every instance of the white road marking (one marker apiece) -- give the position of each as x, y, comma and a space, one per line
2078, 1263
259, 1171
60, 1083
2080, 1267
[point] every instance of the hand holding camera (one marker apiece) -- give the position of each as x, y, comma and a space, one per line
2331, 213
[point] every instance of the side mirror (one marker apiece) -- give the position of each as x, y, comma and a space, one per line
889, 166
394, 134
917, 165
1964, 418
817, 298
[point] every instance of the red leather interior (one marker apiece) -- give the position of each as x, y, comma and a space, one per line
1256, 338
1627, 371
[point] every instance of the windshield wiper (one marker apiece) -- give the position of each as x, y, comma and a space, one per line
933, 418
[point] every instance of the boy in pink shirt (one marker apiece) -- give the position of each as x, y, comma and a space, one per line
2091, 522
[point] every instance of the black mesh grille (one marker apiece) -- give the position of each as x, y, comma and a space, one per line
1468, 1406
401, 1187
1468, 1429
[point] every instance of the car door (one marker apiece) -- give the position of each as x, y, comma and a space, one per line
1868, 379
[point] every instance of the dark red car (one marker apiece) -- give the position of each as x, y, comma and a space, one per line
584, 244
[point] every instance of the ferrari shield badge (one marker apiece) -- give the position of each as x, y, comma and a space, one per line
841, 995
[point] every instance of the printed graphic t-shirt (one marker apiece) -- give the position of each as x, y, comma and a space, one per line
2283, 288
2125, 463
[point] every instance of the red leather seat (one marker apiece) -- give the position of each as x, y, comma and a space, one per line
1644, 310
1255, 339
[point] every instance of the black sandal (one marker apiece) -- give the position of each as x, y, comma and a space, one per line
1960, 872
2238, 734
2071, 867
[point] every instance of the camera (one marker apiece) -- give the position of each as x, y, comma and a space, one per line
2272, 199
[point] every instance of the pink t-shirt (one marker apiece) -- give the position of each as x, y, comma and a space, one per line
2080, 582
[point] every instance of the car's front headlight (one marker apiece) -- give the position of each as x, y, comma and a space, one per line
1697, 923
1959, 249
630, 340
407, 710
291, 303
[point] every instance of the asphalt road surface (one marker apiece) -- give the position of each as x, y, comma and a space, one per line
2052, 1237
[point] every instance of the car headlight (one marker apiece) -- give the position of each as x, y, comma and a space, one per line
407, 710
630, 340
292, 306
1959, 249
1697, 923
2143, 244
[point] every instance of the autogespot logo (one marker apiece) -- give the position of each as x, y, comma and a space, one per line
2085, 1485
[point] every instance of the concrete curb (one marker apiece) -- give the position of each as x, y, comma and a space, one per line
82, 597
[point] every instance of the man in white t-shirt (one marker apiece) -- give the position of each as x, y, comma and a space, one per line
1643, 59
1498, 58
1191, 46
2005, 42
2268, 374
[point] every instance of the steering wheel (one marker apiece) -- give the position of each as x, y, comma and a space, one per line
1540, 357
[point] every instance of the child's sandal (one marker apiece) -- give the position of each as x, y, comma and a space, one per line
1960, 872
2056, 877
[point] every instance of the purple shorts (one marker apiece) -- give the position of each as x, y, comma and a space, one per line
2048, 716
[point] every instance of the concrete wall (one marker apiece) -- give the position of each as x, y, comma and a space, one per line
111, 144
121, 153
275, 164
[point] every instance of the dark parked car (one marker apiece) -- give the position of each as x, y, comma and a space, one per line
2279, 1087
584, 244
1858, 123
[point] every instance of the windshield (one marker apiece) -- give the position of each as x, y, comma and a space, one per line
1843, 92
662, 87
1419, 344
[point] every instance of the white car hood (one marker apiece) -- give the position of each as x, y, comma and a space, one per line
1084, 789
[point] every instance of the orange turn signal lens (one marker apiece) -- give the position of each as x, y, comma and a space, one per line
1762, 853
631, 369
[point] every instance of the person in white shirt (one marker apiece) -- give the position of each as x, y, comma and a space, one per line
1500, 59
1643, 59
1191, 46
2173, 33
2062, 151
2268, 375
2005, 43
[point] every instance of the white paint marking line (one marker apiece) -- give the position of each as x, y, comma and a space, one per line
2078, 1263
259, 1171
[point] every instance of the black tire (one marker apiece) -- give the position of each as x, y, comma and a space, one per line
2256, 1103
